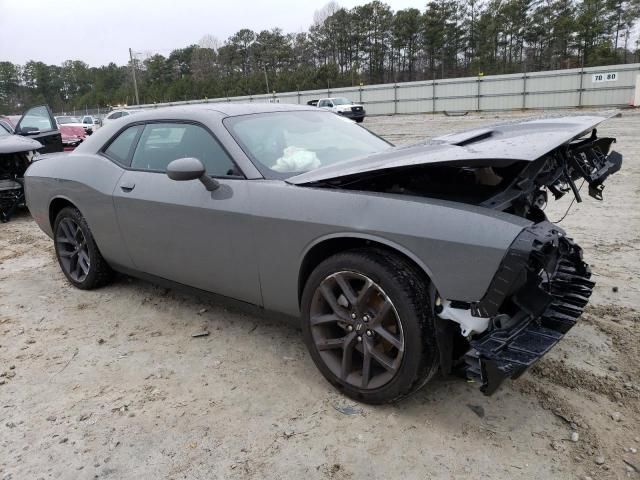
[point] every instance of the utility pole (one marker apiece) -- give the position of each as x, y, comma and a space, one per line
133, 71
266, 79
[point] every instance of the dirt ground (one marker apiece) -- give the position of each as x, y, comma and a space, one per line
111, 383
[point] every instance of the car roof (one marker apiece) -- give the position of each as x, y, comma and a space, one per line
226, 109
199, 112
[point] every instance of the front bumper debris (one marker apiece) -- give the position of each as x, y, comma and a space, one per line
541, 289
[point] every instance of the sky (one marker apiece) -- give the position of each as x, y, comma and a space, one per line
102, 31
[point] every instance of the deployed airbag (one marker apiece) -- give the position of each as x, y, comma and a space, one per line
296, 159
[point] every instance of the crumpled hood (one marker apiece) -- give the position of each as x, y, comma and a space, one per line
17, 144
498, 145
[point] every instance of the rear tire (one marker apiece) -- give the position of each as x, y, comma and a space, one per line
368, 324
77, 252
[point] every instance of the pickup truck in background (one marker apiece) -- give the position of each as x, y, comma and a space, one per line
342, 106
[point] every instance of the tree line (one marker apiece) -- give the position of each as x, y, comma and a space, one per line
366, 44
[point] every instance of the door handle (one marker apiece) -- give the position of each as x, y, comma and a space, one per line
127, 186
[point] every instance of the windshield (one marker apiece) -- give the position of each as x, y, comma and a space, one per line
282, 144
63, 120
341, 101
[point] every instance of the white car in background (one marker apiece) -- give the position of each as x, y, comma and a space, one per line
70, 121
91, 121
115, 114
342, 106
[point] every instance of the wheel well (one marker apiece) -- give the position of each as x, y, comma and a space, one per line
327, 248
54, 209
448, 338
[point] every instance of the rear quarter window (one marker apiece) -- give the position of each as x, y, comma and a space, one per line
121, 148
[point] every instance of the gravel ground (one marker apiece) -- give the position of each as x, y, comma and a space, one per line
111, 384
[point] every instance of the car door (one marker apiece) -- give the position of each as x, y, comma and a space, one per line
178, 230
38, 123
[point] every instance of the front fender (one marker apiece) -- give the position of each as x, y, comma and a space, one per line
458, 246
372, 238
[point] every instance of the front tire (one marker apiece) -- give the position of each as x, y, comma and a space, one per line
368, 324
77, 252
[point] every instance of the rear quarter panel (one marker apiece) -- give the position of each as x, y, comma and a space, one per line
87, 181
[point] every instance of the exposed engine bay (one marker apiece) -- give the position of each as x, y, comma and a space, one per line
517, 187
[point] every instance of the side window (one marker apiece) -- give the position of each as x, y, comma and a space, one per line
120, 149
162, 143
37, 118
113, 116
322, 103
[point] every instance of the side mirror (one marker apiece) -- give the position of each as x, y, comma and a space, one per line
190, 168
28, 131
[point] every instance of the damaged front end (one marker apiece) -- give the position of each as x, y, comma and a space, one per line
537, 295
542, 284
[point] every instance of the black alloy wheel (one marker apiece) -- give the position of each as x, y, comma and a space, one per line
368, 324
71, 246
356, 329
77, 252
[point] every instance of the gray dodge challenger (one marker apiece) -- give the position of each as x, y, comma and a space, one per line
400, 261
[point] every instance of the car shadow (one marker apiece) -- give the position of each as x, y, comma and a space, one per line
452, 398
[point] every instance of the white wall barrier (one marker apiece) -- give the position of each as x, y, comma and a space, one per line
606, 86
